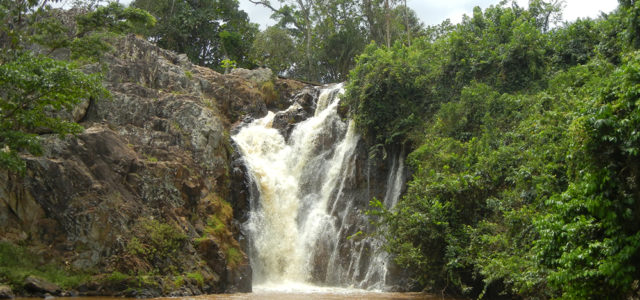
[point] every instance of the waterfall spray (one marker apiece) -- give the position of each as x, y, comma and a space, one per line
297, 225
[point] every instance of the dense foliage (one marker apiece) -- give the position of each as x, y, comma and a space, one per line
209, 31
525, 152
32, 86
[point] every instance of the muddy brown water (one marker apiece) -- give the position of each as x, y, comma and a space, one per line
275, 295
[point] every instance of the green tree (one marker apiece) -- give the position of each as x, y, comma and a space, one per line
207, 31
300, 14
590, 240
18, 17
388, 91
114, 18
35, 88
546, 13
339, 38
274, 48
576, 43
631, 19
330, 34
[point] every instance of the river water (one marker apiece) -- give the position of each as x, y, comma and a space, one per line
274, 294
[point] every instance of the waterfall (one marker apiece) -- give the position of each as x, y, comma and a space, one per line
300, 220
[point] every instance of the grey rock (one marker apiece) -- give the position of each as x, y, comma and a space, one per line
286, 120
306, 98
259, 75
6, 292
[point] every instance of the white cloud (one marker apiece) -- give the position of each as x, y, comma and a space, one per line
434, 12
257, 13
588, 8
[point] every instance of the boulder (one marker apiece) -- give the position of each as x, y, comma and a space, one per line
286, 120
39, 285
259, 75
306, 99
6, 292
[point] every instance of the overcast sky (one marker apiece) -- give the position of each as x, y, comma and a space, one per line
433, 12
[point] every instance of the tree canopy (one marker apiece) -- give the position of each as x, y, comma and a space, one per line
328, 35
208, 31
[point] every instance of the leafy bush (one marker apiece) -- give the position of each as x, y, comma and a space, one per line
32, 87
385, 95
590, 240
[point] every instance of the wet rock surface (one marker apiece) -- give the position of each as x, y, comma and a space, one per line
302, 107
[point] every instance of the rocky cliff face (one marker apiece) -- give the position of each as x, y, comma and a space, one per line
142, 199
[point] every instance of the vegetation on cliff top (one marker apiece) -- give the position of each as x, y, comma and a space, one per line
35, 87
525, 152
208, 32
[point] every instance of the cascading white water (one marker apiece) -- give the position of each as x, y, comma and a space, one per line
395, 181
275, 233
298, 222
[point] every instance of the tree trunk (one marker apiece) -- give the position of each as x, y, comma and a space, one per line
306, 10
388, 23
308, 46
406, 22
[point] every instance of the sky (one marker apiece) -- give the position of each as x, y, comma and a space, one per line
433, 12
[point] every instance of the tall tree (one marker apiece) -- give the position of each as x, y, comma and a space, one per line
406, 23
330, 33
298, 13
387, 22
275, 49
373, 15
387, 11
546, 13
339, 36
631, 14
